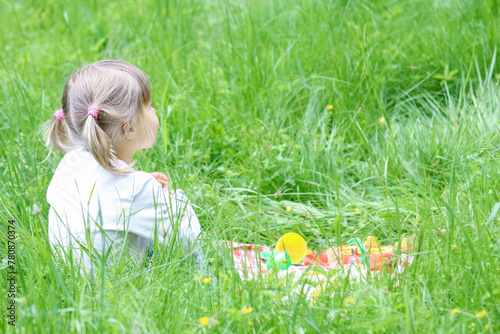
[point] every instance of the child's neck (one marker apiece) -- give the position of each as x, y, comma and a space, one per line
125, 153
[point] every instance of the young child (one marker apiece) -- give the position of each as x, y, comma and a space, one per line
98, 202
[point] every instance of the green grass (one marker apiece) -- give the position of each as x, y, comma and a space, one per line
242, 89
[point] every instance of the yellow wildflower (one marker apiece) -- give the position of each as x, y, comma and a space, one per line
329, 107
350, 300
329, 223
453, 246
206, 280
289, 208
315, 293
247, 310
204, 321
455, 311
357, 210
382, 120
481, 314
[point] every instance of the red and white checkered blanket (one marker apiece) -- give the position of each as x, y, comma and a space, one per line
249, 265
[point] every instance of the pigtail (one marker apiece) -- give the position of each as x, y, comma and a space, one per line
99, 145
57, 135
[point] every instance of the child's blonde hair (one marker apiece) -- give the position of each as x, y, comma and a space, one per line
120, 91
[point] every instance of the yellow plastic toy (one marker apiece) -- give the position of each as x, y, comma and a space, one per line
371, 242
294, 244
404, 243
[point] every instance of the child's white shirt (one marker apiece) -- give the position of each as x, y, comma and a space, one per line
130, 209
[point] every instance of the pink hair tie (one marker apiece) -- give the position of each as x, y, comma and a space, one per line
59, 114
93, 111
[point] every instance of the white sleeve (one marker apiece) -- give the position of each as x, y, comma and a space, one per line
181, 216
168, 214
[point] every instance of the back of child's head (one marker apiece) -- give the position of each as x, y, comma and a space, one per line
117, 92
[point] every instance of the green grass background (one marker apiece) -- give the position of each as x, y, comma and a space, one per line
242, 88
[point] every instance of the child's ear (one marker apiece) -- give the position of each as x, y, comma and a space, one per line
128, 130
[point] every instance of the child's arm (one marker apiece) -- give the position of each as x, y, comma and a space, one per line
180, 216
169, 215
165, 216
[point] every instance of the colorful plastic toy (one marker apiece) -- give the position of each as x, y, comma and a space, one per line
294, 244
291, 249
362, 250
370, 254
280, 260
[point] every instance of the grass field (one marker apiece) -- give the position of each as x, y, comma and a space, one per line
242, 87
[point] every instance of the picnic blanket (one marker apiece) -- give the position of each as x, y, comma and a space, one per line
345, 260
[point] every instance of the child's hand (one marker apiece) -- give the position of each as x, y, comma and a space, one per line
162, 178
